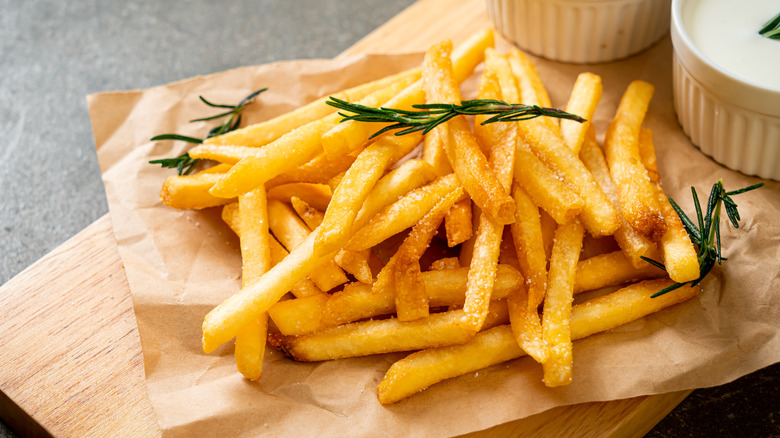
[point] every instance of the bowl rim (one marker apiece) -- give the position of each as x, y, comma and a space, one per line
742, 92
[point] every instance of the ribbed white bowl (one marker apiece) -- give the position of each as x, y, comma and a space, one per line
734, 121
581, 31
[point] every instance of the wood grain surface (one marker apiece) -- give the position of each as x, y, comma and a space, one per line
71, 362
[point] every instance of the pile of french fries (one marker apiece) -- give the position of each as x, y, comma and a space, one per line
337, 229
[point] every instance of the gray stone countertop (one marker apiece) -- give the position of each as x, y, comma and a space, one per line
53, 54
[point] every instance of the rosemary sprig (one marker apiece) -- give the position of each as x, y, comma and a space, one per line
707, 235
428, 116
184, 163
772, 28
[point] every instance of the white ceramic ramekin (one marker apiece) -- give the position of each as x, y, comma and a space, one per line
581, 31
733, 120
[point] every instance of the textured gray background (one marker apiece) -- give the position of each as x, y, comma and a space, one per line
52, 54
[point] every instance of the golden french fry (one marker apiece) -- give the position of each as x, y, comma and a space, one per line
403, 213
319, 170
499, 82
191, 191
291, 232
638, 201
299, 316
526, 325
530, 84
647, 154
400, 181
420, 370
411, 299
444, 288
529, 246
611, 269
433, 150
598, 214
303, 288
354, 187
458, 223
382, 336
445, 264
289, 151
262, 133
351, 134
556, 315
633, 243
356, 263
256, 259
584, 98
680, 257
463, 151
227, 154
224, 321
255, 245
628, 304
544, 187
316, 195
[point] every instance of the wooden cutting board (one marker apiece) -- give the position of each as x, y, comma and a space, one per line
71, 362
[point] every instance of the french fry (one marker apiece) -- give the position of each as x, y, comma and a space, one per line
381, 336
191, 191
411, 299
464, 154
319, 170
529, 246
638, 201
444, 288
291, 232
255, 245
256, 260
354, 187
633, 243
526, 231
647, 154
227, 154
611, 269
584, 98
303, 288
487, 245
351, 134
403, 213
526, 326
420, 370
433, 150
458, 223
598, 214
544, 187
299, 316
316, 195
680, 257
400, 181
628, 304
289, 151
530, 84
262, 133
556, 315
445, 264
542, 136
356, 263
224, 321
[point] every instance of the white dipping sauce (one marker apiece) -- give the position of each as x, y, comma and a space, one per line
726, 32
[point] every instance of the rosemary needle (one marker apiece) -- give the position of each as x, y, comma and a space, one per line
772, 28
428, 116
184, 164
707, 234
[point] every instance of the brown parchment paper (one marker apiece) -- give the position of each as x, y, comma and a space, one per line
180, 264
